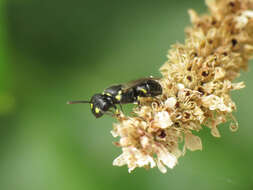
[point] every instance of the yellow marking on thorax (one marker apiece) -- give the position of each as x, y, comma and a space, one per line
108, 94
97, 110
118, 97
144, 90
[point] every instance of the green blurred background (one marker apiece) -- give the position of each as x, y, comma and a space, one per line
52, 51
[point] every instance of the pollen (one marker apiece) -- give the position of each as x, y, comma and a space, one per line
197, 81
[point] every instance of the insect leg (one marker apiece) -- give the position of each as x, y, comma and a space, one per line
116, 111
138, 101
110, 113
121, 108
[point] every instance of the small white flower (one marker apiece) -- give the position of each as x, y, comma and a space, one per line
114, 133
163, 119
237, 86
134, 158
243, 19
215, 132
180, 86
165, 158
171, 102
214, 102
248, 13
199, 114
124, 141
219, 73
144, 141
192, 142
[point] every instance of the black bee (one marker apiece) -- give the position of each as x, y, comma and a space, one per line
122, 94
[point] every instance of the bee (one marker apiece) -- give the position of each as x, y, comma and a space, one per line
130, 92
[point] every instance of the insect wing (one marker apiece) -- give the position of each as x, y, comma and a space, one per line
134, 83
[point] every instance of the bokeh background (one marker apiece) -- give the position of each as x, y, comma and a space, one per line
52, 51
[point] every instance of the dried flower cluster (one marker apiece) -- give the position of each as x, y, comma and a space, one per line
197, 80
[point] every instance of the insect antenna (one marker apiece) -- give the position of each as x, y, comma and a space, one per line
78, 102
